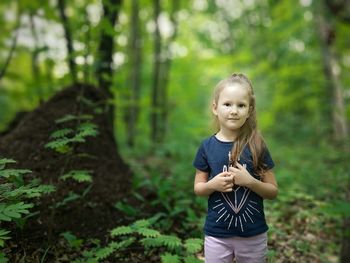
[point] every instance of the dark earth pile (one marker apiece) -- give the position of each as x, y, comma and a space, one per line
92, 216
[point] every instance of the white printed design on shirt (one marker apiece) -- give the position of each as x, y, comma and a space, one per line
236, 218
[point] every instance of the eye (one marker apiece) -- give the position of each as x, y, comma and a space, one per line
227, 104
241, 105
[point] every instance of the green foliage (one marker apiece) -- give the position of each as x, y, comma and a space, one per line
3, 258
64, 138
72, 240
153, 239
12, 211
70, 117
169, 258
126, 208
168, 241
100, 253
193, 245
72, 196
14, 193
3, 236
78, 175
140, 226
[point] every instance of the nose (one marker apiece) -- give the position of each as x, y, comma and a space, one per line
234, 109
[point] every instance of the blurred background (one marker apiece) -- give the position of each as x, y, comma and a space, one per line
156, 63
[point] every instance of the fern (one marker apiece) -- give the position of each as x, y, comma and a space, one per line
193, 245
70, 117
142, 223
170, 242
140, 227
148, 232
86, 129
28, 191
12, 211
63, 138
78, 175
97, 254
72, 240
112, 247
14, 172
61, 133
13, 192
169, 258
192, 259
5, 161
3, 236
122, 230
60, 144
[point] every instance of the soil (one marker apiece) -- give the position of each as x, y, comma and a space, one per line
90, 217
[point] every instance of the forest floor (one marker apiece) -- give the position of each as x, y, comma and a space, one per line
91, 214
85, 213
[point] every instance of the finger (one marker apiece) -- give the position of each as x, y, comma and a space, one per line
223, 174
239, 166
233, 169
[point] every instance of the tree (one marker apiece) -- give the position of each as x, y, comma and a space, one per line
104, 57
155, 119
133, 92
69, 40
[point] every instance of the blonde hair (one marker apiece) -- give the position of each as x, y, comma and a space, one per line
248, 133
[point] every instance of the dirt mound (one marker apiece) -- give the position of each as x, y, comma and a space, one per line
92, 215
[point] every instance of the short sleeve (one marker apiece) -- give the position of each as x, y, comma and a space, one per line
267, 160
200, 161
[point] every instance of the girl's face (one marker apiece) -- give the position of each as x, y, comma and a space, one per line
232, 107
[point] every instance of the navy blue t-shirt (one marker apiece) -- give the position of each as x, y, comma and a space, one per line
236, 213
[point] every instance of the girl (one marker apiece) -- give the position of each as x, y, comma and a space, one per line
234, 168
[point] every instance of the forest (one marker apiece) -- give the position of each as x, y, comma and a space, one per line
104, 103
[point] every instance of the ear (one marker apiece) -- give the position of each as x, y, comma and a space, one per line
214, 109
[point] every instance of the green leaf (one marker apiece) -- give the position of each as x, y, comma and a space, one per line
13, 172
58, 143
3, 258
192, 259
142, 223
61, 133
169, 258
72, 240
12, 211
122, 230
193, 245
148, 232
70, 117
5, 161
168, 241
87, 129
30, 191
126, 208
78, 175
71, 197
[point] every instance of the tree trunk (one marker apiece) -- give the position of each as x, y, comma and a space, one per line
132, 112
104, 59
165, 73
155, 107
86, 70
69, 40
13, 46
332, 71
35, 58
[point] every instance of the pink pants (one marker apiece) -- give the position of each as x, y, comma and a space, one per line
243, 249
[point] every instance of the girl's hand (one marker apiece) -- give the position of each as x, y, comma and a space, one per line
223, 182
241, 176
